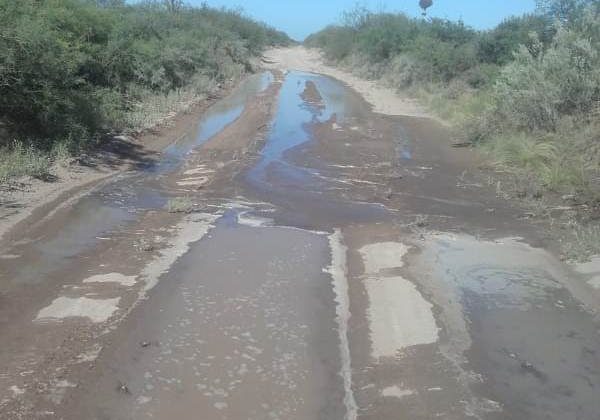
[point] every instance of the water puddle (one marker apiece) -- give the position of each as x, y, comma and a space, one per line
277, 180
110, 208
529, 338
214, 120
290, 129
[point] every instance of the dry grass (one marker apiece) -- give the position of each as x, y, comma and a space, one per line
20, 160
180, 205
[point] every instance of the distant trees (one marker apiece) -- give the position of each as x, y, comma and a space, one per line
173, 6
563, 10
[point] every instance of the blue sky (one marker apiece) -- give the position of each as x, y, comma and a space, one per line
300, 18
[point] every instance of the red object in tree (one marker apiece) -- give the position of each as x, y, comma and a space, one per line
425, 4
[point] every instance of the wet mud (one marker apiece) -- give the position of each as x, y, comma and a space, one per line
331, 263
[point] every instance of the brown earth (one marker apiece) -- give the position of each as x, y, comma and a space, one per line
327, 262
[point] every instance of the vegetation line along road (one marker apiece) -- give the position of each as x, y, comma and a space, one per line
527, 91
73, 71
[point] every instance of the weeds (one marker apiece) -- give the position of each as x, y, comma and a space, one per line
585, 243
151, 109
180, 205
20, 160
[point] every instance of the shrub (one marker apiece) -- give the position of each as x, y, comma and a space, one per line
539, 87
73, 69
180, 205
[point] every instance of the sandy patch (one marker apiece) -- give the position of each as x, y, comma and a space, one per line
198, 171
34, 193
383, 255
58, 389
594, 282
97, 310
383, 99
118, 278
16, 390
190, 230
396, 391
90, 355
195, 182
591, 267
246, 219
9, 256
399, 316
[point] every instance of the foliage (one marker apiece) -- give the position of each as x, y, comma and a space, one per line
71, 70
180, 205
541, 86
20, 160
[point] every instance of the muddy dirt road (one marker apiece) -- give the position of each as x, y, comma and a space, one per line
319, 261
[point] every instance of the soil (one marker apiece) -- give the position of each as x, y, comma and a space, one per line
319, 260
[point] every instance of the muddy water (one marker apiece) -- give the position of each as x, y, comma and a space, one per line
313, 295
109, 208
530, 337
300, 190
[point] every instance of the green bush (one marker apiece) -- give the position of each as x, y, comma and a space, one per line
541, 86
73, 69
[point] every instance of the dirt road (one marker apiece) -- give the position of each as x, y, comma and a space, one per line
320, 260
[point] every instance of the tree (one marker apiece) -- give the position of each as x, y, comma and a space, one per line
563, 10
110, 3
425, 4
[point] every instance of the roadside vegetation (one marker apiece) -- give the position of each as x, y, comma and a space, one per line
73, 71
527, 92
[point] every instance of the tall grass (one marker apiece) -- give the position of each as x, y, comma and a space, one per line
20, 160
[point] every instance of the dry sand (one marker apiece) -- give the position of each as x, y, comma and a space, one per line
383, 99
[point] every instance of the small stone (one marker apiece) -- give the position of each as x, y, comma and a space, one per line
526, 365
123, 388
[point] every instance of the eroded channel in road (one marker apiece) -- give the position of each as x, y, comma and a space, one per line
343, 271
